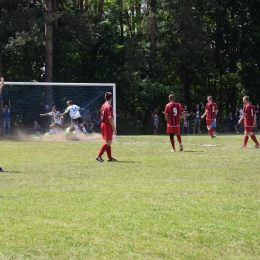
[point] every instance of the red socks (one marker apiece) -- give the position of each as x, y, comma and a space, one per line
245, 140
105, 148
102, 150
253, 137
173, 144
179, 139
211, 132
109, 152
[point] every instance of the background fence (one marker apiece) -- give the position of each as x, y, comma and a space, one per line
30, 99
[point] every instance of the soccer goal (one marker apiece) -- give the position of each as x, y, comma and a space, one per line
30, 99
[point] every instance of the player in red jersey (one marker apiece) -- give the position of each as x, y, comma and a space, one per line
211, 111
249, 118
107, 128
172, 113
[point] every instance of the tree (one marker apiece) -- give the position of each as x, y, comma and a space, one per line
48, 52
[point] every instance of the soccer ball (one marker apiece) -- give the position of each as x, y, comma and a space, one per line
47, 135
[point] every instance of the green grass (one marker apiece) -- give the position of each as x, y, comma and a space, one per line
57, 202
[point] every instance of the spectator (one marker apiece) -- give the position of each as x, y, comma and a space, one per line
6, 112
234, 117
87, 121
187, 116
196, 114
240, 113
36, 128
96, 121
155, 122
257, 112
240, 127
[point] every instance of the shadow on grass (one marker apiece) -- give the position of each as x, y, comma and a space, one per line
127, 162
11, 171
193, 151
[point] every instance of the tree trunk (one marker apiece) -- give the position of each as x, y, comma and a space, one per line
232, 64
48, 53
101, 7
54, 10
154, 31
120, 4
80, 4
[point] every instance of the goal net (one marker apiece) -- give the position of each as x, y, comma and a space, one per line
30, 99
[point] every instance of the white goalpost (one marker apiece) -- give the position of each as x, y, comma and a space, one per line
29, 99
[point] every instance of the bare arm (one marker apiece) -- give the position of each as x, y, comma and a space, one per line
112, 123
206, 112
166, 117
254, 124
63, 114
202, 106
184, 118
46, 114
241, 119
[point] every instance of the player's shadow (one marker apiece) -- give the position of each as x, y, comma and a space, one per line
11, 171
127, 162
193, 151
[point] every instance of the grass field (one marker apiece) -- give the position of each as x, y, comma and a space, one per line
57, 202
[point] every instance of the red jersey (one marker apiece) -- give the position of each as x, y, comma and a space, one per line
106, 112
174, 111
249, 113
212, 109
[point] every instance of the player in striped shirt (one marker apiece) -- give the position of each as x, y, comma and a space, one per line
172, 113
211, 111
249, 118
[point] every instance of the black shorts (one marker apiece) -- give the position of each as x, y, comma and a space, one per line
77, 120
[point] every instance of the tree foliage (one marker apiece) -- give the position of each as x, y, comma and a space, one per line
149, 48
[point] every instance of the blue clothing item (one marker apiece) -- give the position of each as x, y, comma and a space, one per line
6, 113
214, 124
183, 127
7, 124
155, 121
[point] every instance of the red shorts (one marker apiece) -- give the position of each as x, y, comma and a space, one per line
209, 122
248, 129
173, 130
107, 132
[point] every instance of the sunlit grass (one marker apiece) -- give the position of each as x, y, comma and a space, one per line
57, 202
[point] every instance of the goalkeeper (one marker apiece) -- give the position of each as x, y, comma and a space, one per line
69, 133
